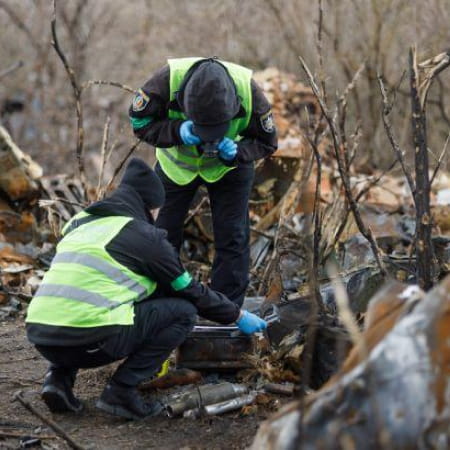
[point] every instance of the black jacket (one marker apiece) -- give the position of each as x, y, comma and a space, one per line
144, 249
259, 140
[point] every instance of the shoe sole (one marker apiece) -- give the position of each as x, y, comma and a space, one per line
57, 401
117, 410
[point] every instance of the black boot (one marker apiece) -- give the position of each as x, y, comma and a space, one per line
57, 391
125, 401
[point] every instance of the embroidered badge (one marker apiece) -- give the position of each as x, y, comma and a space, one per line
267, 122
140, 101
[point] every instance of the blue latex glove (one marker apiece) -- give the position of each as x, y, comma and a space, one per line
250, 323
227, 149
186, 134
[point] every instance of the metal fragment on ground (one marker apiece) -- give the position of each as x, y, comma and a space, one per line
222, 407
205, 395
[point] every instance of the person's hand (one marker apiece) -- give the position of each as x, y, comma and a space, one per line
250, 323
186, 134
227, 149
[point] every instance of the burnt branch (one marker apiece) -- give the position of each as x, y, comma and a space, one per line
338, 146
399, 154
424, 246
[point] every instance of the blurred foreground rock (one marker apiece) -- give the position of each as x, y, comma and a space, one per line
393, 390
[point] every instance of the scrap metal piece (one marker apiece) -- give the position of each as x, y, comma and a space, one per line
18, 172
205, 395
215, 347
396, 397
68, 193
222, 407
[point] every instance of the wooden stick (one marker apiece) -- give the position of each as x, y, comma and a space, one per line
53, 425
17, 434
121, 164
90, 83
77, 91
425, 264
103, 157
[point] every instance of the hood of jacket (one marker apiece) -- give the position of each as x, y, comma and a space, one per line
124, 201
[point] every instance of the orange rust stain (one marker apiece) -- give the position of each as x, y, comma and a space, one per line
382, 315
439, 340
8, 255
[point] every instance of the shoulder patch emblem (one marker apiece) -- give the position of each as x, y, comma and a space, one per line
267, 122
140, 101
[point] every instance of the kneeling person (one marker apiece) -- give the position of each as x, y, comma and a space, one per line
117, 289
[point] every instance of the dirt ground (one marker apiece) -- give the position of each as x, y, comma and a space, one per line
22, 368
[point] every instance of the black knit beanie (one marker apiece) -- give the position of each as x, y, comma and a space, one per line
144, 180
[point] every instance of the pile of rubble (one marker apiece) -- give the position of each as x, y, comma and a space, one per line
280, 212
393, 389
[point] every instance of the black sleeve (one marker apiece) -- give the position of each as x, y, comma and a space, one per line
260, 137
144, 249
148, 112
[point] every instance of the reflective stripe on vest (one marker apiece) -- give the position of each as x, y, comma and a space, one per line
74, 293
183, 163
85, 286
102, 266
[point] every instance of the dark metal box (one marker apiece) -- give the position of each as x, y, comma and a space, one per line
215, 348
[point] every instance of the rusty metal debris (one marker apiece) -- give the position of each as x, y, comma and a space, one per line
210, 347
396, 396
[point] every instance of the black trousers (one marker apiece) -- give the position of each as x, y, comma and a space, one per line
160, 326
229, 207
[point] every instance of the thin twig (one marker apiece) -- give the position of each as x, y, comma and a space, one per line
52, 424
320, 50
439, 162
12, 68
121, 164
21, 434
344, 312
21, 25
387, 108
103, 156
77, 91
90, 83
365, 231
195, 210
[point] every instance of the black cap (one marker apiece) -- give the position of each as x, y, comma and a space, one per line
210, 100
144, 180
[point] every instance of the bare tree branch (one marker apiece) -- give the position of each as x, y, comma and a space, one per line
121, 164
337, 144
90, 83
387, 108
21, 25
77, 90
103, 156
424, 247
439, 161
12, 68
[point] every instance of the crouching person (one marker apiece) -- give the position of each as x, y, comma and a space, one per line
116, 289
